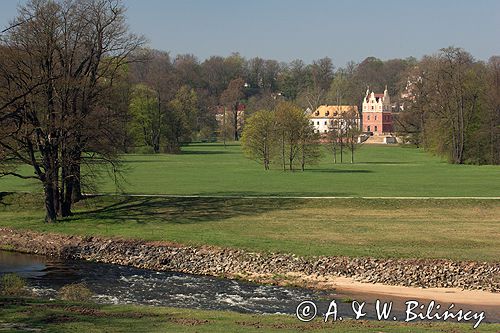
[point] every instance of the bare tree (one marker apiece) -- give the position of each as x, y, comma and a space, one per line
64, 58
231, 98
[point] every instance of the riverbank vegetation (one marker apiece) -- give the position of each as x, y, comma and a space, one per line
21, 315
379, 228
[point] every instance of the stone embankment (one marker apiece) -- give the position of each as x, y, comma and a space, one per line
260, 267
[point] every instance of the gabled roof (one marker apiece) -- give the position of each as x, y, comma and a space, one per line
332, 111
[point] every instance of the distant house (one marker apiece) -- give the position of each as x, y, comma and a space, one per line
377, 113
329, 117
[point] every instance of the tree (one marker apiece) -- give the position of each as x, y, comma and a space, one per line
452, 84
294, 133
259, 137
492, 116
231, 98
147, 123
181, 118
350, 121
64, 58
310, 149
293, 79
334, 137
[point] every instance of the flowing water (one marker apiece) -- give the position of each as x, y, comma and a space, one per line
127, 285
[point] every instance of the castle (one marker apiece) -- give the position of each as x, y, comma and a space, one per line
377, 114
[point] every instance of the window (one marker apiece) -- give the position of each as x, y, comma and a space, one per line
373, 107
317, 123
375, 128
325, 122
326, 131
375, 117
368, 117
368, 128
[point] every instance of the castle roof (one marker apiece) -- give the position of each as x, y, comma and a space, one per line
332, 111
377, 97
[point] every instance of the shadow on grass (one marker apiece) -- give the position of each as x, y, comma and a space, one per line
249, 195
340, 170
205, 152
179, 210
3, 195
386, 162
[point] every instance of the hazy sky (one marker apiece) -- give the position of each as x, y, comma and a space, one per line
289, 29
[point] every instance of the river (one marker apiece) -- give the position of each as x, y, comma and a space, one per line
115, 284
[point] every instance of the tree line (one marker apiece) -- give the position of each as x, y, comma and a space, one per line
452, 107
77, 89
220, 85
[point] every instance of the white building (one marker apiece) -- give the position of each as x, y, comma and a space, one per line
327, 117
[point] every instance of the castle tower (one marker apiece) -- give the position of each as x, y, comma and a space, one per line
377, 115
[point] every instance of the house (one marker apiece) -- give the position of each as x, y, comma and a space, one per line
329, 117
377, 114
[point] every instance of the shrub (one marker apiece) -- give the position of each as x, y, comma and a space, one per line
12, 285
75, 292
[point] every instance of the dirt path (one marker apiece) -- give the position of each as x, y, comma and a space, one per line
448, 295
284, 197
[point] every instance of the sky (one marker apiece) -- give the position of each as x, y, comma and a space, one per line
284, 30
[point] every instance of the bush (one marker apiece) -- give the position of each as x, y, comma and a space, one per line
12, 285
75, 292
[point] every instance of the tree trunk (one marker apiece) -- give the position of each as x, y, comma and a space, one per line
67, 198
303, 164
50, 205
76, 194
235, 119
283, 151
341, 152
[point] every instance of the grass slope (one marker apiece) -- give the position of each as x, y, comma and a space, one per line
211, 169
19, 315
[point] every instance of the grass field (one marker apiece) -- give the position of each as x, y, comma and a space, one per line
21, 315
211, 169
382, 228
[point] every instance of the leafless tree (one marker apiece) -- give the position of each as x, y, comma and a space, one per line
54, 112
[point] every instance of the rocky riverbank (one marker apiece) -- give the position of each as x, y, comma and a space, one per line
265, 268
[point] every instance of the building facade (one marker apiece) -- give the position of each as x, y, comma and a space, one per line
330, 117
377, 113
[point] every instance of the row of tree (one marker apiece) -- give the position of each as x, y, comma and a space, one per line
452, 107
228, 82
283, 135
286, 136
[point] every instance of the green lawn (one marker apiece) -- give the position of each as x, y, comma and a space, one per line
20, 315
382, 228
211, 169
